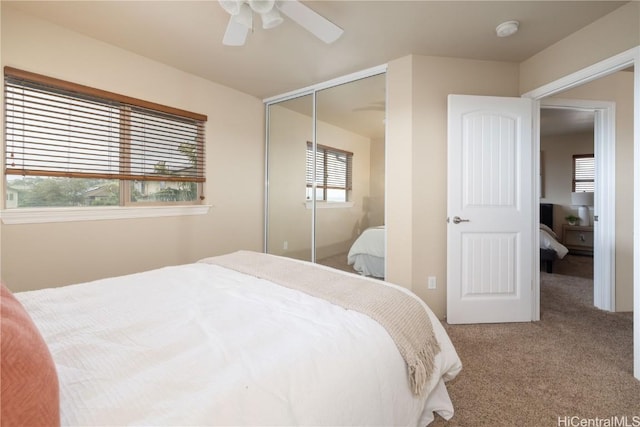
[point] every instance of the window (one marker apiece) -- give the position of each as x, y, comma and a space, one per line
334, 170
71, 145
583, 172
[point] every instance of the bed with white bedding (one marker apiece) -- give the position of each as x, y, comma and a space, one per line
366, 255
549, 240
203, 344
550, 246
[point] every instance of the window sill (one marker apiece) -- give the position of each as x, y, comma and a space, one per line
329, 205
44, 215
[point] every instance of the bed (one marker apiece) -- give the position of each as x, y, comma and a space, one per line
238, 339
550, 247
366, 254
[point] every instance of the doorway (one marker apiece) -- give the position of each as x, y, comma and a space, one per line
604, 68
595, 120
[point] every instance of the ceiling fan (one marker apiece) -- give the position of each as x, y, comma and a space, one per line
241, 20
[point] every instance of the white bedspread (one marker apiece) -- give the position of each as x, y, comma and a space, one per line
203, 345
547, 241
370, 242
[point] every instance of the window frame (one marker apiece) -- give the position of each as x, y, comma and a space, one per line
124, 203
575, 180
325, 186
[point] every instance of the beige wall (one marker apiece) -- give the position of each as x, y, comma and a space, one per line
610, 35
41, 255
416, 145
416, 153
289, 217
399, 198
374, 207
417, 161
556, 162
619, 89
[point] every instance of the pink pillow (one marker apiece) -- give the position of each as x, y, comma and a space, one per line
29, 393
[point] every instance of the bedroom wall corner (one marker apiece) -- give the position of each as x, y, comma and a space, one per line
416, 162
434, 78
399, 150
614, 33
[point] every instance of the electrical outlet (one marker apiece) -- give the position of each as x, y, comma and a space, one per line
431, 282
285, 245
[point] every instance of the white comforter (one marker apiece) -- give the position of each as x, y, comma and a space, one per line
370, 242
203, 345
548, 240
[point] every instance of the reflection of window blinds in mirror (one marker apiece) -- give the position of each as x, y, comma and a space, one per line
583, 172
334, 168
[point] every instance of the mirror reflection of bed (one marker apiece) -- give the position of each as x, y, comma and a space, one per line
365, 256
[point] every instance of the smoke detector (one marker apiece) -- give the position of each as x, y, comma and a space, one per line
507, 29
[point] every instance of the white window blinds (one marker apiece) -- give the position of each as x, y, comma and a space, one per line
583, 172
59, 129
334, 168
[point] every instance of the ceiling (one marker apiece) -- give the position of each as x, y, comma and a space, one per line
188, 35
563, 121
358, 106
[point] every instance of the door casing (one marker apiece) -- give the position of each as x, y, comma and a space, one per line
628, 58
604, 278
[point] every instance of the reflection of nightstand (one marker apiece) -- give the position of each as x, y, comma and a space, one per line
577, 238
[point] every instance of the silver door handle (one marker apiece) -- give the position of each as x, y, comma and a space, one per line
458, 220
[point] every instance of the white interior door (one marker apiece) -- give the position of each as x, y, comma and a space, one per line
490, 210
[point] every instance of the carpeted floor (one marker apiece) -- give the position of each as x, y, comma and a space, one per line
338, 261
574, 265
571, 367
577, 361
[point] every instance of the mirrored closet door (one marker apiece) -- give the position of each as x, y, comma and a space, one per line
325, 176
288, 225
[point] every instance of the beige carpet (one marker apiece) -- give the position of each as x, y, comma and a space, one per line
576, 362
574, 265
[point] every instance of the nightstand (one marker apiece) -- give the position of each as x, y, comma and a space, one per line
578, 238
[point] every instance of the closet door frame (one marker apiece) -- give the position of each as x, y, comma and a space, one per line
309, 90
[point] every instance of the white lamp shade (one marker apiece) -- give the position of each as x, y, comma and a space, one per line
583, 198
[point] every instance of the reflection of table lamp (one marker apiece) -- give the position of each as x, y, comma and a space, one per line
583, 199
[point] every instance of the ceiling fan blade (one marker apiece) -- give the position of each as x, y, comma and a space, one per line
236, 34
310, 20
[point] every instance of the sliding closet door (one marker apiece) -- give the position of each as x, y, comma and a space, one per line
349, 161
289, 218
325, 170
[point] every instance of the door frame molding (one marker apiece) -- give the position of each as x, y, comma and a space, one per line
604, 280
628, 58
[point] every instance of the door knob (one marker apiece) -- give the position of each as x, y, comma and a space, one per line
458, 220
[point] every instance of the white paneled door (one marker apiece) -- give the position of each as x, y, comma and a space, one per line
490, 210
